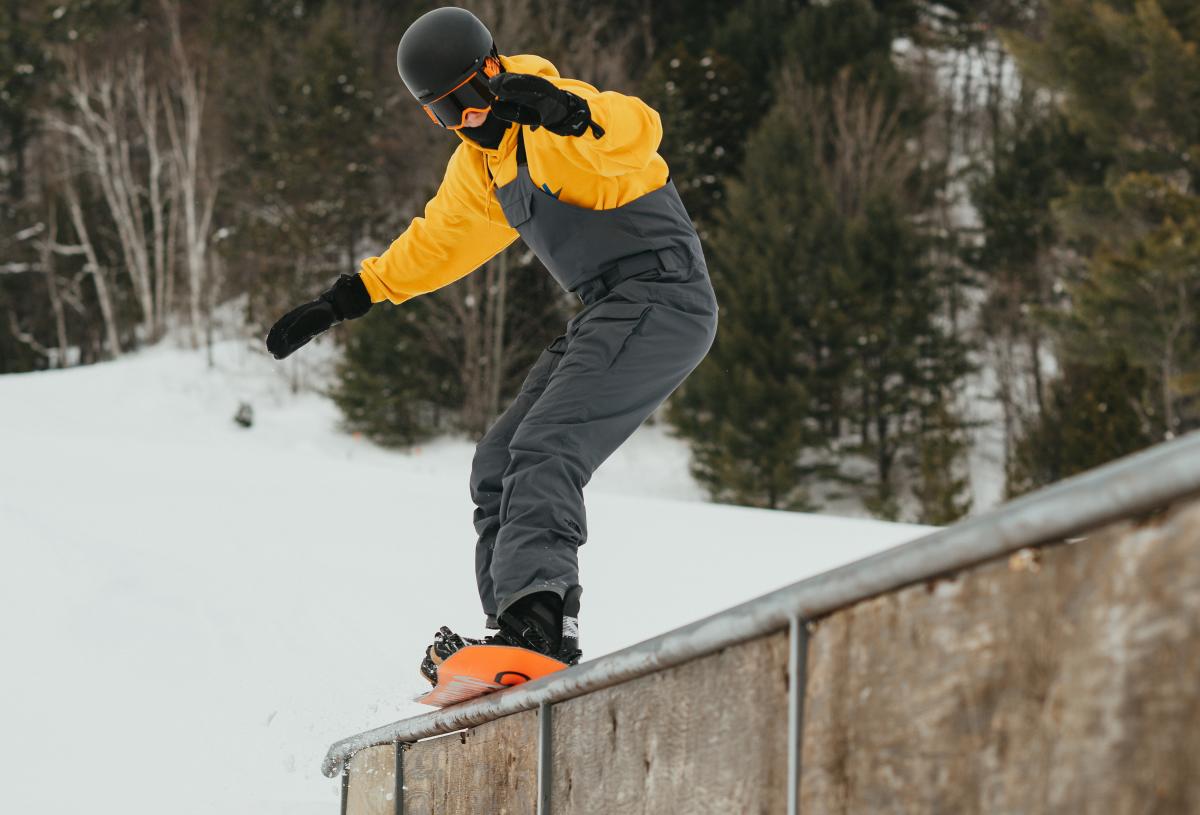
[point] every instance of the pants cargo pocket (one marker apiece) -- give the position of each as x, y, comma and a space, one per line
609, 328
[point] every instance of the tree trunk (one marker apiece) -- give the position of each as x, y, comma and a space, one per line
46, 250
197, 189
1039, 387
93, 267
114, 118
1168, 368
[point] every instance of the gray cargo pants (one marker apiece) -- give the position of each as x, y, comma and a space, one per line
621, 357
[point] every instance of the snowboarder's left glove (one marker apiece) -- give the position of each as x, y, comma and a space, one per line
531, 100
347, 299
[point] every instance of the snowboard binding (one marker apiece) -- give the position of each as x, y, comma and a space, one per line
538, 634
445, 644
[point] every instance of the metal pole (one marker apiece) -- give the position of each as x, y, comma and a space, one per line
345, 787
797, 673
545, 768
399, 791
1140, 483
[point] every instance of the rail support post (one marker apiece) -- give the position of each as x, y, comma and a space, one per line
797, 669
345, 787
398, 795
545, 766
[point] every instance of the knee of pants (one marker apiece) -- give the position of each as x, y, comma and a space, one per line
487, 468
539, 446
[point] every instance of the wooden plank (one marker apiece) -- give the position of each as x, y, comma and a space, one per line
709, 736
488, 769
372, 782
1058, 681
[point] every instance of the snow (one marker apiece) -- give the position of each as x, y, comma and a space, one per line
191, 612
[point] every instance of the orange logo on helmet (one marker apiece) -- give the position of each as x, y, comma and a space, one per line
491, 66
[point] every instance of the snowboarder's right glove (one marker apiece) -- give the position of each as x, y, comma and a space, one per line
537, 102
346, 300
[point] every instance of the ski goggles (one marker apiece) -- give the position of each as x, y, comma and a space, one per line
472, 95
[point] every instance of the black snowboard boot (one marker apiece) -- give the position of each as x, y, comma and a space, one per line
545, 623
540, 622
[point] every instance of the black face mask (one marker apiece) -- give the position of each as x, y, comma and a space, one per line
489, 133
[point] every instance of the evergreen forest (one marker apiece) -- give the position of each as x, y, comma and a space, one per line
943, 235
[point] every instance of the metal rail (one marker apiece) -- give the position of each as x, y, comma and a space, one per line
797, 674
1125, 488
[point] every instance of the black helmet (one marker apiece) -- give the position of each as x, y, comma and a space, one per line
445, 58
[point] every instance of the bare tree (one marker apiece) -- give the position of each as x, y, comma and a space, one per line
474, 312
44, 234
114, 118
46, 249
858, 128
196, 183
972, 78
67, 184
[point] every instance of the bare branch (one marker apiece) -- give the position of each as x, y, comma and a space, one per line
25, 337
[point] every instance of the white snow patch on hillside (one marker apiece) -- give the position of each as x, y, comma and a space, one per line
190, 612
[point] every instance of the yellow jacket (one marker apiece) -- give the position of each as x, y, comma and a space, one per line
464, 225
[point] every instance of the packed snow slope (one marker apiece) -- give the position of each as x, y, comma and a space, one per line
191, 611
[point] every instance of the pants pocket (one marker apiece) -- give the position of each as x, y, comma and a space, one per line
609, 327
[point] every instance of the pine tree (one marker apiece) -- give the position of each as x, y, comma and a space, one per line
1035, 157
1129, 80
1093, 414
1141, 297
832, 344
712, 85
301, 137
941, 486
705, 101
388, 386
756, 411
907, 362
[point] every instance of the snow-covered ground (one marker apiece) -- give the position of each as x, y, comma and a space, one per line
190, 612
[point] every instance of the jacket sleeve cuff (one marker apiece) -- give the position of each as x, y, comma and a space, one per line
375, 288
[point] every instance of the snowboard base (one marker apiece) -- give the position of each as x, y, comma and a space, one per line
479, 669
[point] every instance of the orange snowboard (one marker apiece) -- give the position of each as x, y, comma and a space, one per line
480, 669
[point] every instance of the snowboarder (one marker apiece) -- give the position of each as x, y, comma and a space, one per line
576, 174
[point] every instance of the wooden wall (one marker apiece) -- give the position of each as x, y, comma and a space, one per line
372, 788
1061, 680
491, 768
707, 737
1065, 680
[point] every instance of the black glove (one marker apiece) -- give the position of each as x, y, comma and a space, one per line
531, 100
347, 299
